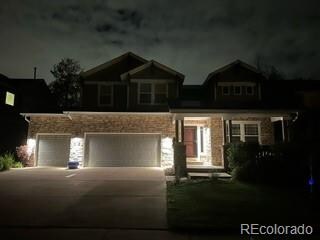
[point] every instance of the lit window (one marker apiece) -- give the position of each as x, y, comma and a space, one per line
237, 90
153, 93
249, 90
244, 132
10, 98
105, 95
226, 90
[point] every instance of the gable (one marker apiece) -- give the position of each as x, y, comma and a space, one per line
153, 70
111, 70
237, 71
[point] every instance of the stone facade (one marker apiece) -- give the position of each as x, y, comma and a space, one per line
217, 141
78, 125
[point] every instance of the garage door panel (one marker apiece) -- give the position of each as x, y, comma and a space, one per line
53, 150
129, 150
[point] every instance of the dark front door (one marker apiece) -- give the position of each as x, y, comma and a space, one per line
190, 140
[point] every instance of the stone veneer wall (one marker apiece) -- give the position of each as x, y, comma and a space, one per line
79, 124
217, 141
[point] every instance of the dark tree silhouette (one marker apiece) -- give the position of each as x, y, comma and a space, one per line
66, 86
269, 71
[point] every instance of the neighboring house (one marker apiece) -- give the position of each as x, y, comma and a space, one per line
16, 96
133, 110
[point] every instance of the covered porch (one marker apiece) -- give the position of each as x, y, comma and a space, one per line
205, 134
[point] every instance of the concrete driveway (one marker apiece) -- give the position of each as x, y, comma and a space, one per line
118, 198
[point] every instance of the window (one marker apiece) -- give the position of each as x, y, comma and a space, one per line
105, 95
225, 90
146, 93
237, 90
10, 98
251, 133
249, 90
244, 132
153, 93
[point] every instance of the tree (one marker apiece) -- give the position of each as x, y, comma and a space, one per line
269, 71
66, 86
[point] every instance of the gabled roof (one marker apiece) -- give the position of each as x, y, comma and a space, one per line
112, 62
230, 65
149, 64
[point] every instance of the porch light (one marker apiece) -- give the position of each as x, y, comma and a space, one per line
167, 142
31, 143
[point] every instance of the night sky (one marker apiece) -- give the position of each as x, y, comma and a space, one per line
192, 37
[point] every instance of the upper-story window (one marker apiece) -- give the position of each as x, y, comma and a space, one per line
152, 93
249, 90
105, 95
226, 90
237, 90
9, 98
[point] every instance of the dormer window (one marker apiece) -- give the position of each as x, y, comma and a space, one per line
105, 95
237, 90
249, 90
226, 90
9, 98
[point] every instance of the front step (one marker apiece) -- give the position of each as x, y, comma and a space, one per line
223, 175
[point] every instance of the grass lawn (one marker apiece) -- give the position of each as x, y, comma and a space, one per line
214, 204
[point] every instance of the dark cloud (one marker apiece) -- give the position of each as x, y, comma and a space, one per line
193, 37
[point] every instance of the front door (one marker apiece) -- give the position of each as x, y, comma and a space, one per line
190, 140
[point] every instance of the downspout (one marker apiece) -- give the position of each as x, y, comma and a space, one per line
26, 119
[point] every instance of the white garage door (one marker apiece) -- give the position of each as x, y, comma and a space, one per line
122, 150
53, 150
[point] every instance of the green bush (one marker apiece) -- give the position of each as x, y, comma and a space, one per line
6, 161
279, 163
242, 160
17, 165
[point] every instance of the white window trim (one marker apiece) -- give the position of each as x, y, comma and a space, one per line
99, 89
234, 91
242, 131
153, 83
222, 89
252, 92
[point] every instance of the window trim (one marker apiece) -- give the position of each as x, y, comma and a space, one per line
242, 129
153, 93
99, 94
234, 90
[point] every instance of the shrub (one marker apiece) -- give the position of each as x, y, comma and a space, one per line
17, 165
23, 156
280, 163
6, 160
242, 160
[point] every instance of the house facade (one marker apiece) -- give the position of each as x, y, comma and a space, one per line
134, 111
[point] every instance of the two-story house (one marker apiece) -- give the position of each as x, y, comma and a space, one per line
133, 110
